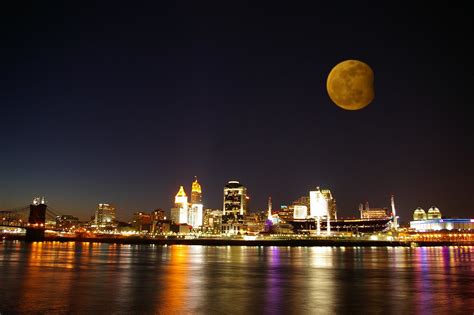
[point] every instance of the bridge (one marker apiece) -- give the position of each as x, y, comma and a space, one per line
32, 218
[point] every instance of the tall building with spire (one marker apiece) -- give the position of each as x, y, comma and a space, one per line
196, 192
180, 197
195, 213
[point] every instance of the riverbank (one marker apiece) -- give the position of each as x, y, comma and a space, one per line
257, 242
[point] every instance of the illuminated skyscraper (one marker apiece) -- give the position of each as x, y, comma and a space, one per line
196, 193
195, 211
180, 197
179, 213
235, 199
104, 215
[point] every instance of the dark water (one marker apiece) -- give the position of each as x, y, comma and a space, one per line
127, 279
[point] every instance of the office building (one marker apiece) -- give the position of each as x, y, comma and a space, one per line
142, 222
105, 215
302, 201
66, 221
179, 214
195, 211
300, 212
212, 221
196, 192
158, 215
235, 199
195, 215
285, 213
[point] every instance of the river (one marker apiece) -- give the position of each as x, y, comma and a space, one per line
95, 278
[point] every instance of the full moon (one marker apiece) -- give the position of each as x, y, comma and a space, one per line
350, 85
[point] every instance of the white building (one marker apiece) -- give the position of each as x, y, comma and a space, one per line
195, 215
300, 212
318, 204
443, 224
179, 214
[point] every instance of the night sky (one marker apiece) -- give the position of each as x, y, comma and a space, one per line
122, 103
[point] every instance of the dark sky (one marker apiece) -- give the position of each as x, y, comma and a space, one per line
123, 102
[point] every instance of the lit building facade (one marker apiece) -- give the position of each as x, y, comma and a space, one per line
195, 211
433, 213
158, 215
318, 204
212, 221
368, 213
196, 192
442, 224
142, 221
300, 212
233, 227
195, 215
432, 221
302, 201
66, 221
105, 215
319, 209
179, 214
285, 213
419, 214
332, 208
235, 199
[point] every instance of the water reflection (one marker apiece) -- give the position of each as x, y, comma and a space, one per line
110, 278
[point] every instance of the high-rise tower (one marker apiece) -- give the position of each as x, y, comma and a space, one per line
104, 215
235, 199
196, 193
179, 213
195, 213
180, 197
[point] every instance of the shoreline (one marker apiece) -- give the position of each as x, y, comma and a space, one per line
241, 242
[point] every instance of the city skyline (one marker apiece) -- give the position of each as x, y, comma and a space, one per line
196, 157
125, 104
197, 193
